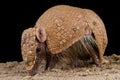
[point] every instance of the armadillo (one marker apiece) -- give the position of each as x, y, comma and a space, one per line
64, 33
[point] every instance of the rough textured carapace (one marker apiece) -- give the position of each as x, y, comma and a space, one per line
64, 31
28, 45
64, 25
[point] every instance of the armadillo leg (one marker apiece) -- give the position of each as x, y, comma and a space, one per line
51, 61
94, 56
48, 59
91, 47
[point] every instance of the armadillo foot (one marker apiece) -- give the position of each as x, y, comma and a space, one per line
32, 72
96, 60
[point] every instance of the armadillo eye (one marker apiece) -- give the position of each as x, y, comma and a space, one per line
38, 50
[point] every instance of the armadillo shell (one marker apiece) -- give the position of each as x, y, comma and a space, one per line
64, 25
28, 46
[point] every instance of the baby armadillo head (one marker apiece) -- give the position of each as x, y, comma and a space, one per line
33, 48
28, 46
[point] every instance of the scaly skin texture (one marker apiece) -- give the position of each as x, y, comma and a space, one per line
63, 35
64, 25
33, 51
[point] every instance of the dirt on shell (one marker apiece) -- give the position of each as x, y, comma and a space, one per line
16, 71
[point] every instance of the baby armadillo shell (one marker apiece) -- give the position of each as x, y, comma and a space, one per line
64, 25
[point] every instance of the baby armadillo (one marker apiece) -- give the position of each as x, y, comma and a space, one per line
64, 34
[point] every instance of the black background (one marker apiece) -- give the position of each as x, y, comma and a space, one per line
15, 16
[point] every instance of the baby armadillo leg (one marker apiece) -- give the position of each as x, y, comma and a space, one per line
48, 59
91, 46
94, 56
51, 61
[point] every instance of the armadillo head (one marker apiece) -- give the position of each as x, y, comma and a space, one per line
33, 48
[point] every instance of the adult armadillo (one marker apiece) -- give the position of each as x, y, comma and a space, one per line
64, 34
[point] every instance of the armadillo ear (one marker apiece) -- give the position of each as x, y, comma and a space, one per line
41, 34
